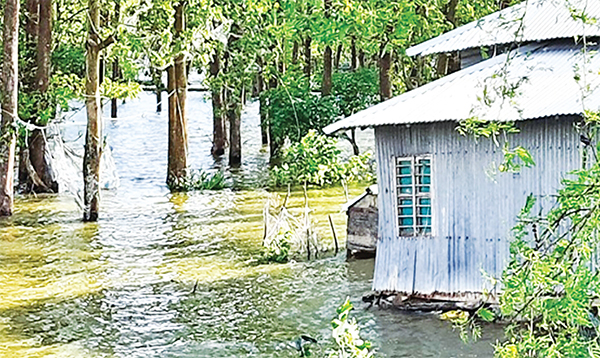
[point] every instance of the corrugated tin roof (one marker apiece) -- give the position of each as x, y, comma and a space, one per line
542, 20
548, 88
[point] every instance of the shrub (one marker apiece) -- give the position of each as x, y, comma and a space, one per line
315, 160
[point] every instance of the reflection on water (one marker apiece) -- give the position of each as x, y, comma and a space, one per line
164, 275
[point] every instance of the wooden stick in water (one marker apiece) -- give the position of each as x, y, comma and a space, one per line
335, 240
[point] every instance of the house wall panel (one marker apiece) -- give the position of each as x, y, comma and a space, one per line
474, 207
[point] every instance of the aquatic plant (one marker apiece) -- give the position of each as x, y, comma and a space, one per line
277, 250
346, 336
198, 180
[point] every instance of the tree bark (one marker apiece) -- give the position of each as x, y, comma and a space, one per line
338, 57
219, 134
44, 45
10, 78
326, 86
115, 77
295, 52
32, 18
385, 85
262, 100
178, 136
449, 62
41, 163
159, 87
39, 156
353, 54
93, 138
307, 58
235, 139
361, 58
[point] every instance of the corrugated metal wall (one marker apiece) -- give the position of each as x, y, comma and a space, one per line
473, 210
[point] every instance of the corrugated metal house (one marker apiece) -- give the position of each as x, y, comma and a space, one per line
444, 220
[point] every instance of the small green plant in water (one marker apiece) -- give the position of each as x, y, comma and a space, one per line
346, 336
278, 249
198, 180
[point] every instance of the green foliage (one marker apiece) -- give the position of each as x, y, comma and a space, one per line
198, 180
315, 160
551, 280
294, 110
278, 250
355, 91
346, 336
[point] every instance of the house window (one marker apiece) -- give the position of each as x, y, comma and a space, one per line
413, 187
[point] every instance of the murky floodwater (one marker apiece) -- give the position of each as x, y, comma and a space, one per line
124, 287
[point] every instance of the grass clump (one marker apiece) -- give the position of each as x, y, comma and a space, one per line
198, 180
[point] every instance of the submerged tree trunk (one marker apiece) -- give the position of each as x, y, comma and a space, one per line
385, 85
178, 136
219, 134
113, 101
93, 138
38, 146
234, 110
262, 100
307, 57
9, 97
158, 87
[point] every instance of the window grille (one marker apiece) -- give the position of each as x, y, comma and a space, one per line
413, 188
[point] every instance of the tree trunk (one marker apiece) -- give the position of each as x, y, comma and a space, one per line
338, 57
307, 58
178, 137
447, 62
44, 180
219, 134
10, 78
32, 18
273, 143
353, 54
361, 58
159, 87
295, 52
385, 85
39, 157
115, 77
93, 138
44, 45
262, 100
326, 87
235, 139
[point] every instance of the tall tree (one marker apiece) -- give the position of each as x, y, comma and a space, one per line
93, 138
177, 87
9, 99
327, 57
219, 134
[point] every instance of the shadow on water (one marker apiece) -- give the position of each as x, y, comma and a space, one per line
124, 287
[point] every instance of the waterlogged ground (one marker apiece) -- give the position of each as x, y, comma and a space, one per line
164, 275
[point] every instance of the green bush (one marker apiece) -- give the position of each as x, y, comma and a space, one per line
315, 160
278, 250
355, 91
346, 335
294, 110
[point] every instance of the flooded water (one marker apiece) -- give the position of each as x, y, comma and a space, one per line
163, 275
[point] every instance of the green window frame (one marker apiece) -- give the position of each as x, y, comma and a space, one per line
413, 191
